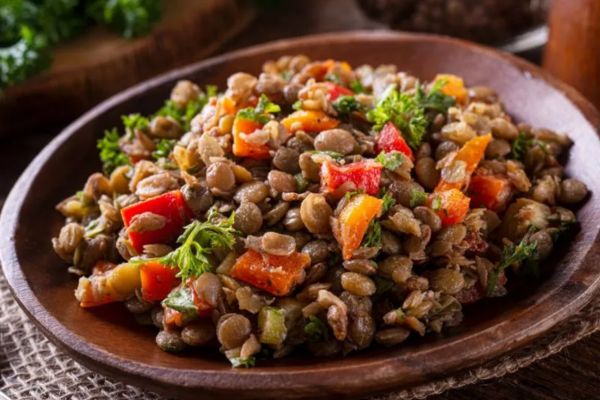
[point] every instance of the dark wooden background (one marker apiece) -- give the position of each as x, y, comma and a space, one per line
572, 374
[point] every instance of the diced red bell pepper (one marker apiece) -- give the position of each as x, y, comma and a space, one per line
450, 205
171, 206
334, 91
491, 192
390, 139
274, 274
365, 175
157, 280
242, 148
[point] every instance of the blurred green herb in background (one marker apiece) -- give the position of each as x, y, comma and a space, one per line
29, 28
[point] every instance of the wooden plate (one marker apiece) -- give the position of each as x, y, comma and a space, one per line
107, 341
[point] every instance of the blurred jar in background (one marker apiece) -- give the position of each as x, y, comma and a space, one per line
486, 21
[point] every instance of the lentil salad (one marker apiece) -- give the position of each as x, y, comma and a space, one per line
315, 205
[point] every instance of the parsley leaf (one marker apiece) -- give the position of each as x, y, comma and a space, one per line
391, 160
197, 242
163, 148
239, 362
511, 254
417, 198
404, 111
316, 330
346, 104
182, 300
110, 152
261, 113
356, 86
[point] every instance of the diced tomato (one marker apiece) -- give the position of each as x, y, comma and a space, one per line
171, 206
336, 91
242, 148
354, 222
491, 192
365, 175
309, 121
274, 274
450, 205
390, 139
157, 280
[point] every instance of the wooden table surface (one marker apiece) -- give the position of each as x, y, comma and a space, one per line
572, 374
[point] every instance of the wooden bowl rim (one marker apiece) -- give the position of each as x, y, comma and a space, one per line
264, 380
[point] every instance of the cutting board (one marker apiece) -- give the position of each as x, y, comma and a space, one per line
100, 63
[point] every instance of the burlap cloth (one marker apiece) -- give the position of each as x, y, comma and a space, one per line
33, 368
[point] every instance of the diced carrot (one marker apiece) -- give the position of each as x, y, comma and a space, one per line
390, 139
157, 280
456, 174
365, 175
169, 205
450, 205
274, 274
354, 221
454, 86
491, 192
242, 148
309, 121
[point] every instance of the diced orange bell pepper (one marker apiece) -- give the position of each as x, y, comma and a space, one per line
354, 221
451, 206
456, 174
390, 139
169, 205
365, 175
309, 121
454, 86
274, 274
491, 192
242, 148
157, 280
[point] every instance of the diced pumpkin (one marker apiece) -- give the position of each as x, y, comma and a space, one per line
365, 175
157, 280
116, 284
274, 274
309, 121
489, 191
242, 148
354, 221
456, 174
169, 205
451, 206
454, 86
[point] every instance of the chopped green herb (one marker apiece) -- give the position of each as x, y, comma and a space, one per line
356, 86
511, 254
181, 299
110, 152
238, 362
373, 235
417, 198
301, 182
197, 242
404, 111
388, 202
392, 160
261, 113
316, 330
164, 147
346, 104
